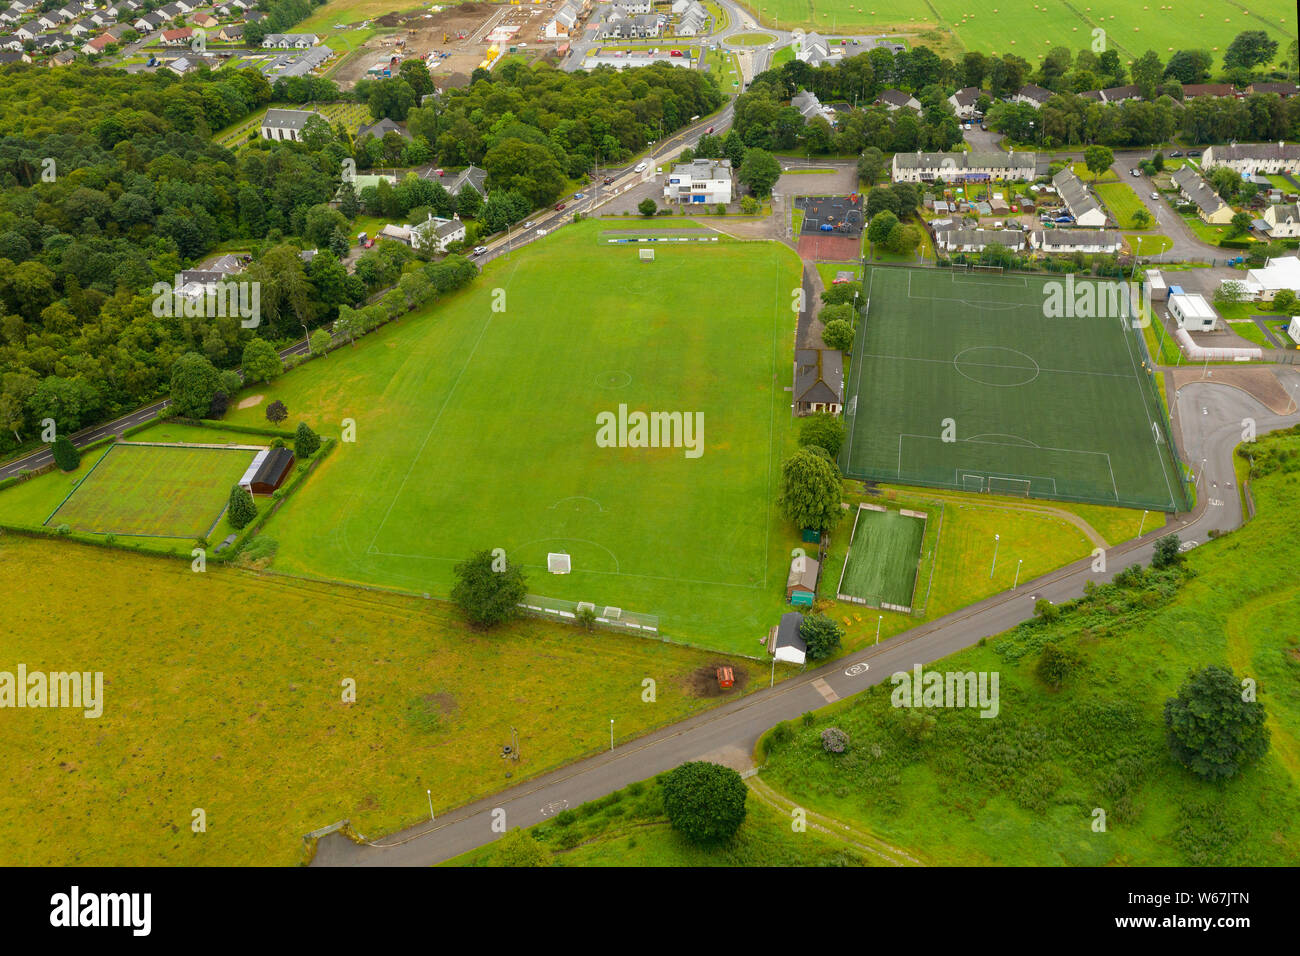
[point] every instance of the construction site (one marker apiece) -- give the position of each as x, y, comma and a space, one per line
454, 41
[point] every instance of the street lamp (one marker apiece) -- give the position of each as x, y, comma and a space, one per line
995, 554
430, 795
1017, 580
878, 620
611, 733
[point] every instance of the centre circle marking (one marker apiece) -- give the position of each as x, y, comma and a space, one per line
979, 357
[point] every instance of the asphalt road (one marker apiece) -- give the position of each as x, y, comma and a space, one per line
1212, 418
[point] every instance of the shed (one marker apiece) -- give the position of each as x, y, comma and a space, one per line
802, 578
267, 472
784, 641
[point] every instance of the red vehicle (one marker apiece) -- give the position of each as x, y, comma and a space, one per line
439, 172
368, 243
710, 129
559, 206
674, 52
607, 181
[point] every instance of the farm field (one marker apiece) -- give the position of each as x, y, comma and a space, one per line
1022, 789
154, 491
466, 441
1123, 204
1030, 28
1019, 403
227, 697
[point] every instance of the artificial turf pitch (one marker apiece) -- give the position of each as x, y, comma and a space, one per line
883, 558
154, 491
961, 380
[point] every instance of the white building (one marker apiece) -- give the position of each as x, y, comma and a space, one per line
1276, 275
1293, 329
436, 233
286, 124
921, 167
977, 240
1085, 209
809, 107
1069, 241
1254, 157
1283, 220
1192, 312
704, 181
964, 101
815, 50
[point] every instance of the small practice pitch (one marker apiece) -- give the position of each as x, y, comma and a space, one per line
881, 567
969, 381
157, 491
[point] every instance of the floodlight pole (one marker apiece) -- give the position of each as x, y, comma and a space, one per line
995, 555
1143, 524
879, 619
1019, 562
611, 734
429, 793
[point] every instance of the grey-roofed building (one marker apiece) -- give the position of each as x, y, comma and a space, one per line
1283, 220
966, 167
816, 50
1082, 205
818, 381
1209, 204
806, 102
470, 176
381, 128
784, 641
977, 240
1118, 94
268, 471
1254, 157
802, 578
964, 100
437, 233
286, 124
1066, 241
896, 100
1281, 89
703, 181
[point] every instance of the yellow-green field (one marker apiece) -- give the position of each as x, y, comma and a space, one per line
223, 691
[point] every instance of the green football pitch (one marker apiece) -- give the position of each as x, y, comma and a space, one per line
477, 428
961, 380
154, 491
883, 558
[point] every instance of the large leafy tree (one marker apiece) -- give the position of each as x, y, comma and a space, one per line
488, 588
194, 381
810, 489
261, 362
1213, 730
759, 171
821, 635
705, 802
823, 430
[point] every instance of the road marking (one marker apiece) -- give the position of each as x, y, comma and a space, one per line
856, 669
824, 689
553, 808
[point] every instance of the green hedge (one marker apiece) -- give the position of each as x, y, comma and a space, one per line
147, 423
237, 429
1236, 243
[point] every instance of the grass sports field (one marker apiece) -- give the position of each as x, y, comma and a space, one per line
1030, 28
883, 557
155, 491
477, 429
959, 380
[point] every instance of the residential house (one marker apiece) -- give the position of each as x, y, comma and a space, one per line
784, 642
1069, 241
1079, 200
816, 50
1281, 89
704, 181
563, 23
231, 33
1283, 220
692, 19
289, 41
11, 43
26, 32
380, 129
99, 44
149, 23
921, 167
1209, 204
437, 234
470, 176
1268, 158
400, 234
177, 37
1035, 96
63, 58
977, 240
286, 124
14, 56
171, 11
1275, 275
1214, 90
83, 28
205, 20
1118, 94
806, 102
896, 100
634, 7
964, 101
818, 381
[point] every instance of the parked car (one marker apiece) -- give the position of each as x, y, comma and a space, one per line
710, 129
674, 52
1193, 152
1136, 172
559, 206
984, 127
1176, 153
440, 172
368, 243
640, 168
607, 181
479, 250
1155, 196
579, 195
529, 224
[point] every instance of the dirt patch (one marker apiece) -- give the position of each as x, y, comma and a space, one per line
251, 401
1258, 382
445, 702
703, 681
829, 248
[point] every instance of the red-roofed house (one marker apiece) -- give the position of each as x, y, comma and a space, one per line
177, 37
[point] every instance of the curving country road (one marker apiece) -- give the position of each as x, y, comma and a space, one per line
1212, 422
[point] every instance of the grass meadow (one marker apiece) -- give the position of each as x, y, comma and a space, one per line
223, 692
1123, 204
477, 428
1022, 788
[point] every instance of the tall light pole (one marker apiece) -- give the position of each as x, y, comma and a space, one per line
1143, 524
995, 555
430, 795
772, 681
611, 733
1017, 580
878, 621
